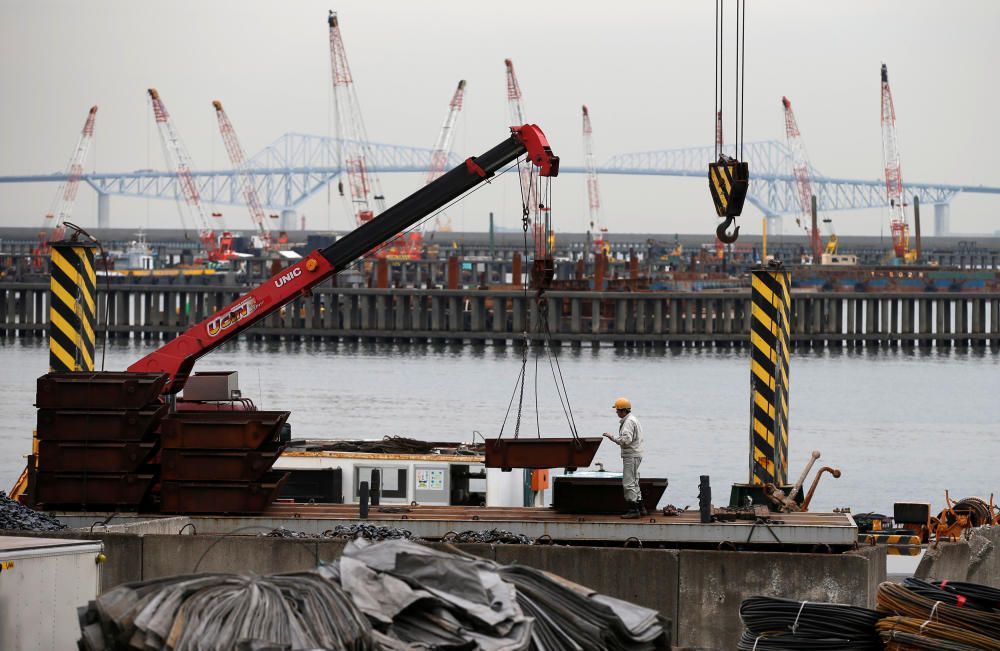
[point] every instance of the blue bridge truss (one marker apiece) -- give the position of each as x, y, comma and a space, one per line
297, 166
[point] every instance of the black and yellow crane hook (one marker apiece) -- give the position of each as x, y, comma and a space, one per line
725, 237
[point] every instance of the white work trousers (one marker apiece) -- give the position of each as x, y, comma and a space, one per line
630, 478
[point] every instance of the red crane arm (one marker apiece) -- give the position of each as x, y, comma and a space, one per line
177, 357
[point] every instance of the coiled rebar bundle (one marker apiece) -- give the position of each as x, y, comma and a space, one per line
905, 600
783, 623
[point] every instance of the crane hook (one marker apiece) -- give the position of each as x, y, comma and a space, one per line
725, 237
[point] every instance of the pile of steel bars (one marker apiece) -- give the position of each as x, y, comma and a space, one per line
393, 595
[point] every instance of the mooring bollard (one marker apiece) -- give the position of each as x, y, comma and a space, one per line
376, 489
705, 500
363, 496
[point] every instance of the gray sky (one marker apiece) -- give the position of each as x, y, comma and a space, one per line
645, 69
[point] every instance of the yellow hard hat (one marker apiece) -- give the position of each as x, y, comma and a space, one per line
623, 403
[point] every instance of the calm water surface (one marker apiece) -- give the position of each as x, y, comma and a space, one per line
900, 425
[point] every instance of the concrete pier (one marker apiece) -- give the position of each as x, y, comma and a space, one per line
478, 316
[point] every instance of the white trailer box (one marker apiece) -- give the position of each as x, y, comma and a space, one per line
42, 583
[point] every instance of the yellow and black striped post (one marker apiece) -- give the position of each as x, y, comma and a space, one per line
770, 306
72, 311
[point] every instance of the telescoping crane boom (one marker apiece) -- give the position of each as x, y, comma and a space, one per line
62, 207
216, 249
239, 161
177, 358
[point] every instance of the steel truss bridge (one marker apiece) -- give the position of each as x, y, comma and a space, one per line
297, 166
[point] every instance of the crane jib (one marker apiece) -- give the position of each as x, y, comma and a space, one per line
177, 357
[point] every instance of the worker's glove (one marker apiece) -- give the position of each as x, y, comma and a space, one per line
607, 436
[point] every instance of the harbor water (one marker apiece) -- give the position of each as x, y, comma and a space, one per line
900, 424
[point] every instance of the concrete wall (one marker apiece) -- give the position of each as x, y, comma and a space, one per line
699, 591
976, 559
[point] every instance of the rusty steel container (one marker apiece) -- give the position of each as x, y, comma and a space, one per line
98, 390
105, 425
89, 490
218, 465
537, 453
221, 430
221, 497
90, 456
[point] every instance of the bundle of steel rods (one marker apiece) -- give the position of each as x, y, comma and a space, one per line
952, 614
487, 536
926, 634
981, 597
221, 611
777, 624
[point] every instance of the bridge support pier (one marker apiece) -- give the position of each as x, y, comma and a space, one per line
103, 210
942, 219
288, 220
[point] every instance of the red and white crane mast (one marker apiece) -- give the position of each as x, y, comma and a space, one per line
442, 148
593, 191
803, 182
529, 192
893, 174
178, 158
65, 199
238, 159
366, 194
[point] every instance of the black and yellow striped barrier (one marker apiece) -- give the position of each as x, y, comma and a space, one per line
73, 308
770, 308
895, 544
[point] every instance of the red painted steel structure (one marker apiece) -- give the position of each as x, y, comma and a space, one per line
62, 206
177, 357
239, 160
893, 172
442, 149
363, 184
803, 183
593, 191
216, 249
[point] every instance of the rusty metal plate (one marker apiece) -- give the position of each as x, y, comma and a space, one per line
82, 491
104, 425
221, 430
221, 497
103, 457
218, 465
573, 494
98, 390
567, 452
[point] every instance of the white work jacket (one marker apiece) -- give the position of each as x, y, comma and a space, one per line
629, 437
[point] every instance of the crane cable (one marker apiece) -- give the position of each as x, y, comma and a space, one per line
729, 177
541, 324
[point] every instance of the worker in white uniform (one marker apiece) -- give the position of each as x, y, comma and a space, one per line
629, 438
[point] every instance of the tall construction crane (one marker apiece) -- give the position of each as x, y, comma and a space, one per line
893, 175
239, 160
216, 248
366, 193
442, 149
528, 190
597, 229
52, 229
803, 186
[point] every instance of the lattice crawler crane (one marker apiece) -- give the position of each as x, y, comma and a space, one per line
216, 248
239, 161
540, 231
597, 229
363, 184
442, 149
803, 187
893, 175
52, 229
